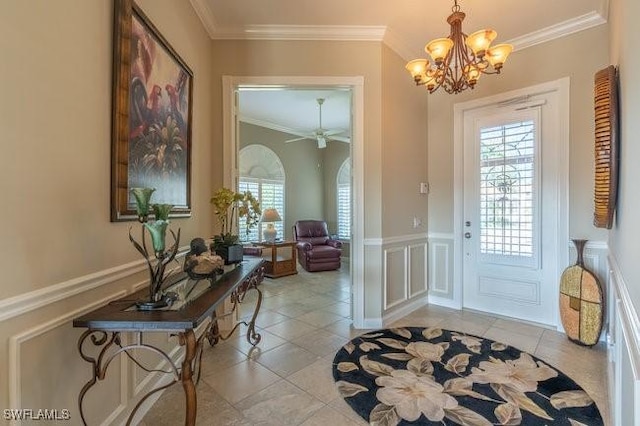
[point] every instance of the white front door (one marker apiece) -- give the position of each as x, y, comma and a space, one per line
510, 238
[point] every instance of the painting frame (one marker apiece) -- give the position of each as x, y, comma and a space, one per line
151, 116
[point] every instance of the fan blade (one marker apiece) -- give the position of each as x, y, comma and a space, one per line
344, 139
333, 132
298, 139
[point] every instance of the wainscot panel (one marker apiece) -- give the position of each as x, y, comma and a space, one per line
440, 251
404, 260
623, 338
43, 354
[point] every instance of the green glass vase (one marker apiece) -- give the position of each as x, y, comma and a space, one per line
142, 196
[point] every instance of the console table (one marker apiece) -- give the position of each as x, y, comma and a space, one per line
196, 303
279, 266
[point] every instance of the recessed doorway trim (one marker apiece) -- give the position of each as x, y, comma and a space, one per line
230, 84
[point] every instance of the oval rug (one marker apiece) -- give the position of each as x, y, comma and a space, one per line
410, 376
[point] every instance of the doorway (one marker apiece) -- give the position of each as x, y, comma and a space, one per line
512, 222
231, 123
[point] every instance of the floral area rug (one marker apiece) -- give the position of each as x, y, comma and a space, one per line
431, 376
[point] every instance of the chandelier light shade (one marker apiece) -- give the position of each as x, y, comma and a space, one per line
458, 61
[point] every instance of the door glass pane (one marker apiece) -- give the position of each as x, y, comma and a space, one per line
507, 155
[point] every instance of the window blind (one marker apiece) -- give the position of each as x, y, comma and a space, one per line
344, 200
507, 189
270, 193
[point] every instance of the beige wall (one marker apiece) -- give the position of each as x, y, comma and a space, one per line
578, 57
321, 58
403, 249
56, 124
304, 176
624, 237
395, 132
404, 148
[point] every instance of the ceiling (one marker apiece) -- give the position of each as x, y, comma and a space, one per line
296, 111
404, 25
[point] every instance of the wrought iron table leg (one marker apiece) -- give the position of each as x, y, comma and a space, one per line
253, 337
98, 338
188, 340
213, 334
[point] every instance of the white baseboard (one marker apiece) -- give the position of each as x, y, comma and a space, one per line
370, 323
444, 302
406, 309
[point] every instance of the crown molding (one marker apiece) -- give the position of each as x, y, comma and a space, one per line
380, 33
206, 16
603, 10
302, 32
570, 26
400, 46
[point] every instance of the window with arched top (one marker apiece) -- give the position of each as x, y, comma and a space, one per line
262, 173
344, 200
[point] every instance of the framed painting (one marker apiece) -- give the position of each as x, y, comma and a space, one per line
151, 126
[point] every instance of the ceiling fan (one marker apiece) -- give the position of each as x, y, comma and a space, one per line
320, 135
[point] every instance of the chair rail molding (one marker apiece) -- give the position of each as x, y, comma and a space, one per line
399, 239
27, 302
36, 299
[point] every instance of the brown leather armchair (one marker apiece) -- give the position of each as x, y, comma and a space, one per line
316, 250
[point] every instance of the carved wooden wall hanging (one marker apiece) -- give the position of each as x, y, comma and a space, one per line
606, 146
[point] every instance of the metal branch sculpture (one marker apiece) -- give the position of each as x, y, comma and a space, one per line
157, 231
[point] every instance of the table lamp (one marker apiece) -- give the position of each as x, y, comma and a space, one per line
269, 216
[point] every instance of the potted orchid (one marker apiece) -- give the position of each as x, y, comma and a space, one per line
230, 208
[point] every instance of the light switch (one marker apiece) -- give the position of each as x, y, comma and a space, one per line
424, 187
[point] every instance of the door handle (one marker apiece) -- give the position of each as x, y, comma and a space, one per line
467, 235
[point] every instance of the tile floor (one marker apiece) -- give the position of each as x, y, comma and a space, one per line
287, 379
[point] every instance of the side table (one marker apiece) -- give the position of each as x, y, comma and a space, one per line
278, 264
197, 301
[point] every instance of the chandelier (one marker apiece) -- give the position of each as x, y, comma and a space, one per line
459, 60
